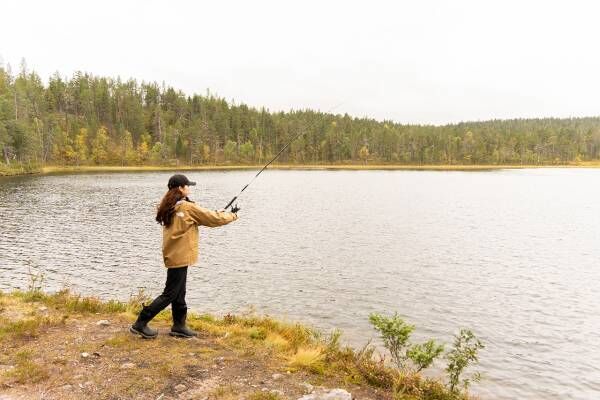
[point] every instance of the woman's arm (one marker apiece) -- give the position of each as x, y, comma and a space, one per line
206, 217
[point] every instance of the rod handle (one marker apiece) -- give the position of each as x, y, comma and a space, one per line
230, 203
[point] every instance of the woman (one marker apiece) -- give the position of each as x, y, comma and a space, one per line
180, 218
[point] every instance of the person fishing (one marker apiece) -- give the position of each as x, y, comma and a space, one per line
180, 218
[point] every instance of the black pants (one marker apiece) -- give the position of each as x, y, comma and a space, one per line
173, 294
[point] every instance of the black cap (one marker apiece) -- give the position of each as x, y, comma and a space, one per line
179, 180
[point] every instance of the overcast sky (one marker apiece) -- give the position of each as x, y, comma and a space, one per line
409, 61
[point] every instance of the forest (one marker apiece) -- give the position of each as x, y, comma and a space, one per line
93, 120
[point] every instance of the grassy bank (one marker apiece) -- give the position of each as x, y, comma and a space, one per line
19, 169
28, 169
63, 346
357, 167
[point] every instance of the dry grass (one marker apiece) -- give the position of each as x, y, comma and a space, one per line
264, 396
310, 359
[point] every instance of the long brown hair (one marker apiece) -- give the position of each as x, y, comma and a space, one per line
166, 209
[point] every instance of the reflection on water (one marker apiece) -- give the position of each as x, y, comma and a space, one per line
512, 255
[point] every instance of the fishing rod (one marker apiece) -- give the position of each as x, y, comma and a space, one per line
274, 158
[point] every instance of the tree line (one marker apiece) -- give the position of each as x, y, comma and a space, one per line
92, 120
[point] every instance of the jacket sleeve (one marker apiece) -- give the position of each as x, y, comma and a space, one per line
206, 217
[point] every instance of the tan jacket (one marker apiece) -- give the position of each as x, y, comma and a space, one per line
180, 239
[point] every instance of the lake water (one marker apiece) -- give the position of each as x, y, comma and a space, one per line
513, 255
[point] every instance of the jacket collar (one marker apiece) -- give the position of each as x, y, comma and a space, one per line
183, 201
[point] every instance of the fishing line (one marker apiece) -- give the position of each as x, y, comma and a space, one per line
274, 158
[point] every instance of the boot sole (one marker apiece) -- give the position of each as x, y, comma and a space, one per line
182, 335
136, 332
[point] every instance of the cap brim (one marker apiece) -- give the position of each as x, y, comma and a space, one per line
191, 183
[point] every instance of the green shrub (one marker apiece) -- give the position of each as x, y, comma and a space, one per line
463, 354
395, 334
422, 355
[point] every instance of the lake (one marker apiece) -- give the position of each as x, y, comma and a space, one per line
513, 255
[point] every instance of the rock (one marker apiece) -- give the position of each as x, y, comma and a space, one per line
66, 387
276, 376
85, 355
200, 389
308, 388
220, 360
180, 388
333, 394
43, 309
127, 365
103, 322
4, 368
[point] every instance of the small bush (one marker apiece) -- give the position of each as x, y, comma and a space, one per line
422, 355
395, 334
464, 353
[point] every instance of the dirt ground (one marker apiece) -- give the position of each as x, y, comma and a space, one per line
50, 353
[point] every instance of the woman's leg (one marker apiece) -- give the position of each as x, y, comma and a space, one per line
176, 278
176, 281
179, 299
179, 311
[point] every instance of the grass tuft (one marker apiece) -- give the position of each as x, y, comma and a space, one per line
26, 370
276, 341
310, 359
259, 395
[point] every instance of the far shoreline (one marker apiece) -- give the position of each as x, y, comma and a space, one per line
56, 170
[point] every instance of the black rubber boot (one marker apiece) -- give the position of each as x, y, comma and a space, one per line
140, 327
179, 329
